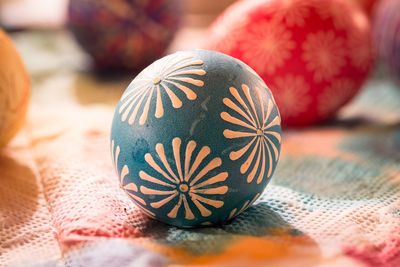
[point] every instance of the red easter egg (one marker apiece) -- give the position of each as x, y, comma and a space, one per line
367, 5
313, 54
386, 28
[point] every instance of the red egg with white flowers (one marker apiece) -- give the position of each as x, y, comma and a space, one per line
314, 55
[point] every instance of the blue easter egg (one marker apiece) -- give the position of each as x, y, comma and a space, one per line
195, 138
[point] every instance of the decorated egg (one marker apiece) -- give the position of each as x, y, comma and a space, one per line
14, 90
195, 138
367, 5
124, 34
313, 54
387, 34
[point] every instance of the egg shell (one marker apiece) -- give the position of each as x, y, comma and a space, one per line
195, 138
313, 54
125, 34
386, 25
14, 90
367, 5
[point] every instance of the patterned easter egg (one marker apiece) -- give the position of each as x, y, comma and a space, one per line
387, 34
14, 90
313, 54
124, 34
195, 138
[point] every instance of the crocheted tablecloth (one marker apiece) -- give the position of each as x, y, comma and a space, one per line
333, 201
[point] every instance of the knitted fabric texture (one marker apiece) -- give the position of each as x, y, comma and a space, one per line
334, 199
105, 253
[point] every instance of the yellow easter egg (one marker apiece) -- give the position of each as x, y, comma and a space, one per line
14, 90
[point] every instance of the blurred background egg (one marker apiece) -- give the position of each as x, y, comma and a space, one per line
124, 34
366, 5
14, 90
313, 54
386, 26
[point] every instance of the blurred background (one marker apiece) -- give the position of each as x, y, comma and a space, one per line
53, 56
63, 43
39, 29
52, 15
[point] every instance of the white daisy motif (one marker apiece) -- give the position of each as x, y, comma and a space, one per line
257, 129
235, 212
131, 188
292, 93
292, 12
334, 96
187, 186
170, 75
267, 47
324, 54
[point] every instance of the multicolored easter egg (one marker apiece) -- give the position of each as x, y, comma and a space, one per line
124, 34
14, 90
387, 33
196, 138
313, 54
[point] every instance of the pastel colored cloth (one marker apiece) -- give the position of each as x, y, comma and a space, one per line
333, 201
106, 253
